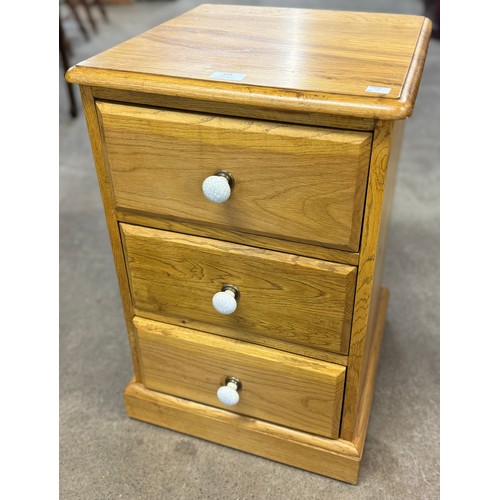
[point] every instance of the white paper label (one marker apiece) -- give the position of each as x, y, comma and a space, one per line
377, 90
228, 76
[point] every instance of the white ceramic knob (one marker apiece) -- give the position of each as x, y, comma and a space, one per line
228, 394
226, 301
217, 187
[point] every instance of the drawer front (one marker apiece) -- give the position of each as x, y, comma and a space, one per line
295, 299
283, 388
292, 182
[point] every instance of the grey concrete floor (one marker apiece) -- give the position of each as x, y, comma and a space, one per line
104, 454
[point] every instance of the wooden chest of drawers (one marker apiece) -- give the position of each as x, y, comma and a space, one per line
246, 159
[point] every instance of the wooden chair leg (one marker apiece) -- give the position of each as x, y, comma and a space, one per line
92, 22
68, 47
102, 9
74, 11
65, 61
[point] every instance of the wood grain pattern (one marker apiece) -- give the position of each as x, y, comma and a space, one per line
314, 157
230, 109
300, 183
113, 229
289, 56
246, 336
279, 387
412, 83
390, 183
248, 239
366, 302
333, 458
368, 385
291, 298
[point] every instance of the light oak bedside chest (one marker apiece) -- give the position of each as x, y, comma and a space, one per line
246, 158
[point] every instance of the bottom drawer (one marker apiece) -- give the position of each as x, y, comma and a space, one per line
280, 387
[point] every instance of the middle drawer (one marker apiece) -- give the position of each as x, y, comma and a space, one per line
294, 299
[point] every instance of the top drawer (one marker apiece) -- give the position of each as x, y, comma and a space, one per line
291, 182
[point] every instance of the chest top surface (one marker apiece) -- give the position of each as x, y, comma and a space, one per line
362, 64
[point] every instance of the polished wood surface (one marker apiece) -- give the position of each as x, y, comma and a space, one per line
329, 57
381, 181
247, 336
279, 387
335, 458
292, 182
368, 384
390, 185
252, 240
294, 299
331, 457
229, 109
95, 136
314, 156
